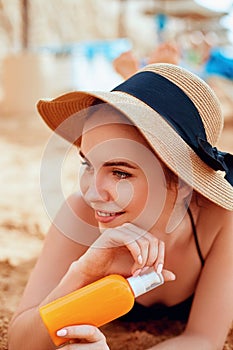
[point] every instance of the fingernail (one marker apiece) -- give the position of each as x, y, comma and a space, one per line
160, 268
62, 332
140, 259
173, 276
137, 272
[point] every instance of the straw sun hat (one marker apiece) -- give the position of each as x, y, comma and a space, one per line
177, 113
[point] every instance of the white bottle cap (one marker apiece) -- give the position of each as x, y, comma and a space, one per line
145, 282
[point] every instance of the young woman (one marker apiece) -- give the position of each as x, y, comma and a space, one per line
154, 192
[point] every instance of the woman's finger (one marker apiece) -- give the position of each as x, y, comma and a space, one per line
89, 346
168, 276
137, 243
160, 258
122, 236
151, 242
86, 347
153, 251
146, 250
143, 246
148, 244
83, 332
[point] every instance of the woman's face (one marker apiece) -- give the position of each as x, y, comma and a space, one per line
121, 178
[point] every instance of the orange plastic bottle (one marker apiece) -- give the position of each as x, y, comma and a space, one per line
97, 303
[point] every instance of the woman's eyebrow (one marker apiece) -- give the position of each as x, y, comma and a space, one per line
119, 163
111, 163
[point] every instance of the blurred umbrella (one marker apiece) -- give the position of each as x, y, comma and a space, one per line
181, 8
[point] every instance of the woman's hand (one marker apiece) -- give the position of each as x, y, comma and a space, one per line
128, 241
83, 337
125, 250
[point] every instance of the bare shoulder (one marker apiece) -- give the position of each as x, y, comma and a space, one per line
211, 220
217, 216
211, 312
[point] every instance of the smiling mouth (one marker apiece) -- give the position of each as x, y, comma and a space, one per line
108, 214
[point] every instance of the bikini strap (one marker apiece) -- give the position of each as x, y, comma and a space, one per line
196, 237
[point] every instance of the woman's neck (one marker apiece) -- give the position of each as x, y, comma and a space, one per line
173, 226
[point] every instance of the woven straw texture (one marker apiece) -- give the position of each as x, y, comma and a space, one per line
164, 140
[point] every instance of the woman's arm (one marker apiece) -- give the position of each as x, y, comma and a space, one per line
184, 342
212, 310
26, 330
66, 265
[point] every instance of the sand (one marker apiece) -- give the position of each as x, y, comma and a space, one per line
23, 225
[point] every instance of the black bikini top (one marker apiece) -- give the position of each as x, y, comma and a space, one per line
157, 311
196, 237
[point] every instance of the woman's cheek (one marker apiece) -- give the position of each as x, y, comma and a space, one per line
132, 197
124, 193
84, 181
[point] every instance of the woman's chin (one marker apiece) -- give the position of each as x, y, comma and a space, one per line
115, 223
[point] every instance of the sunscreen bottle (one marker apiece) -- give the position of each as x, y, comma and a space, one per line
97, 303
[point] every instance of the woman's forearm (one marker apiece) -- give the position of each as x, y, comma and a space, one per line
28, 332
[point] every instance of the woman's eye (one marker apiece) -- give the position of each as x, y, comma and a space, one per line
86, 165
121, 174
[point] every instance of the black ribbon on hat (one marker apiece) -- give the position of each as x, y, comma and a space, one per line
177, 108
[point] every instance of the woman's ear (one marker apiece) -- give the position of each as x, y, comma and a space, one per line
183, 198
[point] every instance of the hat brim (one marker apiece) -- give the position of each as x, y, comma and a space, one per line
163, 139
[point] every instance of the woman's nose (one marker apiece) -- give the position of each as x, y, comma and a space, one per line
94, 189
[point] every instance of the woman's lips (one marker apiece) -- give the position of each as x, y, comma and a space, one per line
105, 217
